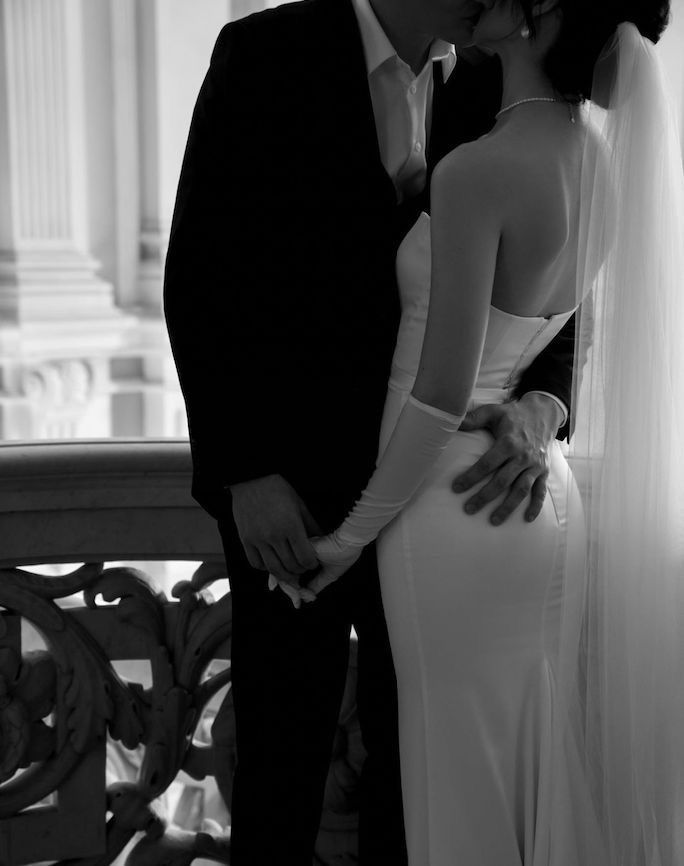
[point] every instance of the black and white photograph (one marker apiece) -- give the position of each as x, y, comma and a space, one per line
342, 432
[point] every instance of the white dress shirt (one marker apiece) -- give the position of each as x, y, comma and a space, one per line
402, 101
402, 106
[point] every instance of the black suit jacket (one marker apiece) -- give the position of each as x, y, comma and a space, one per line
280, 291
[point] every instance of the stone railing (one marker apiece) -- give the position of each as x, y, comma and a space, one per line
96, 768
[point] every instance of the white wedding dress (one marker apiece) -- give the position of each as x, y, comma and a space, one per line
473, 613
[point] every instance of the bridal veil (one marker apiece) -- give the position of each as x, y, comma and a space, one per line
621, 672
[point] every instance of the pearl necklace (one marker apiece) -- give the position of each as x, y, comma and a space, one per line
536, 99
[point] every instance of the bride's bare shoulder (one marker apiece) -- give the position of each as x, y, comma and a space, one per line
515, 166
477, 173
473, 166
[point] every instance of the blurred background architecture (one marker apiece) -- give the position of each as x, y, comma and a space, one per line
95, 102
96, 98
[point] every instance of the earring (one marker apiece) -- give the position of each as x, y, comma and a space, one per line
525, 32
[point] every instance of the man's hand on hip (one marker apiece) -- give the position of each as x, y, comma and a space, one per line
274, 526
517, 463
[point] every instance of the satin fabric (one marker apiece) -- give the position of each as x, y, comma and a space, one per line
473, 613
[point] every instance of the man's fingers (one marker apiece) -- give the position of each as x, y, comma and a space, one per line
285, 554
485, 466
271, 562
254, 557
477, 418
304, 553
274, 566
515, 467
285, 557
537, 495
498, 484
519, 492
269, 514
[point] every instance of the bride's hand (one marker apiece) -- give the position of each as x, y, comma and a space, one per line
335, 557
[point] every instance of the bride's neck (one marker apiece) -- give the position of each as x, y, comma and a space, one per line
523, 78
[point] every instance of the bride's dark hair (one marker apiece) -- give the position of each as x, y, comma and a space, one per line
587, 26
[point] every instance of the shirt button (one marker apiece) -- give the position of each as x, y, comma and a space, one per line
417, 147
413, 89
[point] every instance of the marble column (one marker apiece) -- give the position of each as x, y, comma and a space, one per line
174, 44
46, 271
58, 319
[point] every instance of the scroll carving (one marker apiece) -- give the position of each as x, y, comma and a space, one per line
74, 683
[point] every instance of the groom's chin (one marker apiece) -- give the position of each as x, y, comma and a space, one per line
463, 37
464, 30
474, 54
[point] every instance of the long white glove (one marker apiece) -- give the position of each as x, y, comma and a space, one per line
421, 434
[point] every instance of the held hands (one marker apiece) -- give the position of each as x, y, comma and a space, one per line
517, 463
335, 558
274, 526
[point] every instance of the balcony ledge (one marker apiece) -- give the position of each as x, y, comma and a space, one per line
101, 500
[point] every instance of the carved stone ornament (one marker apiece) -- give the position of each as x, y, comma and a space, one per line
58, 705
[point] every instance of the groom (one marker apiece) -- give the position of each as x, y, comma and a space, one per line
308, 159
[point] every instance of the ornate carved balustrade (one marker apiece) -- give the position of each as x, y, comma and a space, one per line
90, 760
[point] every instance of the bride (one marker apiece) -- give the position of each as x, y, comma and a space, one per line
538, 664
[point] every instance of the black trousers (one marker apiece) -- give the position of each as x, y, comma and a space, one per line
289, 670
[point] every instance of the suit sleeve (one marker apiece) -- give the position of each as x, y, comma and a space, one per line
552, 371
207, 288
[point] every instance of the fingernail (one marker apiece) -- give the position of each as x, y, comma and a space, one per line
458, 487
495, 521
470, 509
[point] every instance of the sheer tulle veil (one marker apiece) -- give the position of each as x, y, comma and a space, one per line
621, 669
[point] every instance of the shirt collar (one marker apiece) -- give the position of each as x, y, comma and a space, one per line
378, 49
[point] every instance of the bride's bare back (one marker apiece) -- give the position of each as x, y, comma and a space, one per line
536, 160
504, 231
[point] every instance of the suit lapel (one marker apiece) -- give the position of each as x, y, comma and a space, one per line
343, 81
